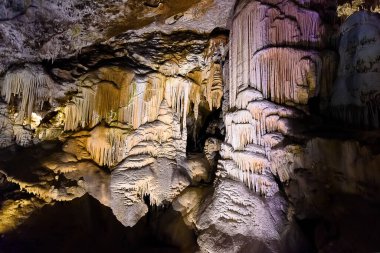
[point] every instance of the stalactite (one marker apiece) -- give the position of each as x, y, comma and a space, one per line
80, 110
285, 75
143, 105
271, 140
32, 85
261, 110
274, 71
195, 97
177, 94
270, 67
252, 162
241, 129
246, 96
213, 91
107, 145
257, 182
106, 99
140, 147
137, 102
242, 134
47, 191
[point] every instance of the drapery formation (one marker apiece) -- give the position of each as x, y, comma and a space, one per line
270, 68
115, 94
31, 85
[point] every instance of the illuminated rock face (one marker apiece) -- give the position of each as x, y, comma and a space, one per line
32, 85
356, 92
265, 55
270, 79
150, 169
36, 30
266, 71
222, 130
129, 121
348, 7
247, 214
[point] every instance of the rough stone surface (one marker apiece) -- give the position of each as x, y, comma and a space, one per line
264, 137
355, 95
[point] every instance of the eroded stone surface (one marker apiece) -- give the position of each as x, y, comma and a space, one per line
155, 107
355, 95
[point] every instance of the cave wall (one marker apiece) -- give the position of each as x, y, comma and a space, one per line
264, 137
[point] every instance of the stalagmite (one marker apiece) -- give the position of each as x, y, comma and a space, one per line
152, 154
251, 132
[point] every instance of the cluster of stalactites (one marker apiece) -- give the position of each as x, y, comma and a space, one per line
106, 145
101, 95
145, 96
136, 99
282, 75
256, 120
266, 62
260, 183
251, 132
213, 90
32, 85
96, 103
263, 53
286, 23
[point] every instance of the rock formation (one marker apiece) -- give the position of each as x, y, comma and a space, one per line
354, 98
249, 125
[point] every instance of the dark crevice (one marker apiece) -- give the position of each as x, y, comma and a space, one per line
84, 225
